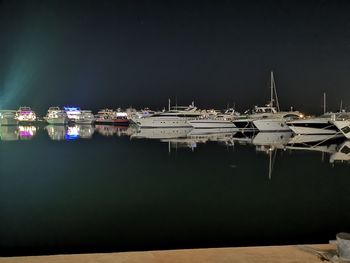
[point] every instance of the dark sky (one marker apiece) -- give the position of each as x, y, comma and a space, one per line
122, 53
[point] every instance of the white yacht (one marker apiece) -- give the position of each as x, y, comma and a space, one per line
175, 117
211, 124
342, 122
331, 124
25, 115
85, 117
145, 113
220, 120
266, 119
76, 115
73, 113
109, 116
7, 117
56, 116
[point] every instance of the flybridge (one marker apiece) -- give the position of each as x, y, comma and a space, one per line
71, 108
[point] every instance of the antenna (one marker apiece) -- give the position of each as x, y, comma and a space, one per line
324, 102
341, 106
169, 104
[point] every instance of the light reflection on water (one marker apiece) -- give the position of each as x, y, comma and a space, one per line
123, 188
337, 150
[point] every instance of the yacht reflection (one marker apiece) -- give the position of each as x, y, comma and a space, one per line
160, 133
111, 130
9, 133
73, 132
79, 131
26, 132
14, 133
313, 138
339, 152
272, 139
56, 132
342, 153
176, 143
220, 135
270, 143
266, 142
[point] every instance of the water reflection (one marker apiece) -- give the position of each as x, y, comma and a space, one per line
338, 150
160, 133
69, 133
79, 131
112, 130
14, 133
225, 178
26, 132
56, 132
9, 133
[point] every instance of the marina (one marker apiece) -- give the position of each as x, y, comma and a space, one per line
174, 131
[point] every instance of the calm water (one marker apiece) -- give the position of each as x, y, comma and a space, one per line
88, 189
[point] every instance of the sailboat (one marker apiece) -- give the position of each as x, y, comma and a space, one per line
268, 118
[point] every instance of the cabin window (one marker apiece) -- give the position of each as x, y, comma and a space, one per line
345, 150
346, 129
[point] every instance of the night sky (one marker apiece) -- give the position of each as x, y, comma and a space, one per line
121, 53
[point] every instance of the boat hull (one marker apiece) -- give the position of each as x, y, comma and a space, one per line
57, 121
84, 122
344, 127
271, 125
163, 122
300, 130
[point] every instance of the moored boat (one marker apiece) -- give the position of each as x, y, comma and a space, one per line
175, 117
109, 116
8, 117
25, 115
56, 116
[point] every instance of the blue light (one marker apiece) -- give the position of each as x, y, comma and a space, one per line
71, 108
72, 133
70, 137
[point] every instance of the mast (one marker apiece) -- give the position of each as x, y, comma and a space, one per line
274, 92
169, 104
270, 164
324, 102
271, 88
